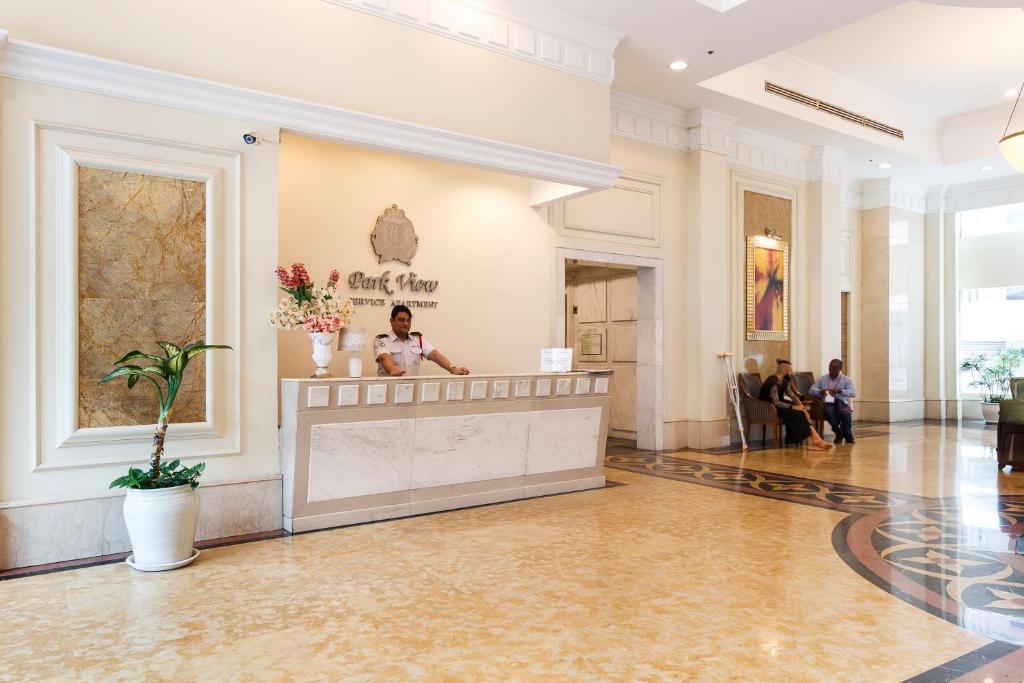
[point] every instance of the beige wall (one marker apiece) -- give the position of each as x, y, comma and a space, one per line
34, 466
319, 52
491, 253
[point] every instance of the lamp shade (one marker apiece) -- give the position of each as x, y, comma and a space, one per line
352, 339
1012, 147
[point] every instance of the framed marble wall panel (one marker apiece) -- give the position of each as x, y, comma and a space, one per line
141, 277
84, 178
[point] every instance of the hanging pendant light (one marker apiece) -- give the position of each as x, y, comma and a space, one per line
1012, 144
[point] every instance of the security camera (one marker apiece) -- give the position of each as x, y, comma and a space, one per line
252, 138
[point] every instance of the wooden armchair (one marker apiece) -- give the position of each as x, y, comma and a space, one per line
804, 381
758, 412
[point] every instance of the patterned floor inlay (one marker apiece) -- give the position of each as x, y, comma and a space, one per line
824, 494
958, 564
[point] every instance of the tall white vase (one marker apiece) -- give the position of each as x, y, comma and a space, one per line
162, 526
323, 351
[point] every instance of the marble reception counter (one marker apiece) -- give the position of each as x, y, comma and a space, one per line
359, 450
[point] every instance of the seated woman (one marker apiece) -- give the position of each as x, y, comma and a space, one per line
779, 390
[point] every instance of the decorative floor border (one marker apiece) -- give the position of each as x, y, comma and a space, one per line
906, 545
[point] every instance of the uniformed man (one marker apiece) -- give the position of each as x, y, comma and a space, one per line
400, 352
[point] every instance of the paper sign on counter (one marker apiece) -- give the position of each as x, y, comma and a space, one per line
556, 360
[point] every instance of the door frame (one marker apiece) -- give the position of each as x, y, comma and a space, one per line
650, 411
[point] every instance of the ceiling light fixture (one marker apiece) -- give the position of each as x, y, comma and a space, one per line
885, 164
678, 65
1012, 144
987, 168
1012, 92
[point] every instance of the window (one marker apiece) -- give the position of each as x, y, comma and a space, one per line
990, 319
991, 221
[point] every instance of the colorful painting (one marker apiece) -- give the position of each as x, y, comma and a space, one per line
767, 288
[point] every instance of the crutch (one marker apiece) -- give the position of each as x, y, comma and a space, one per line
734, 391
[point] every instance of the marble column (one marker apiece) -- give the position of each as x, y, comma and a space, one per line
940, 389
893, 303
823, 237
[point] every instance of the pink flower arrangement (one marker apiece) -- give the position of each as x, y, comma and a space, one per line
315, 309
331, 323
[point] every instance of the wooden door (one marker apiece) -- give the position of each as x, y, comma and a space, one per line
602, 317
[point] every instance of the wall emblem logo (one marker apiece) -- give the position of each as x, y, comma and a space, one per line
393, 237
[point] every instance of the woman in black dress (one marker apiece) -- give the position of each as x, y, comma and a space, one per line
778, 389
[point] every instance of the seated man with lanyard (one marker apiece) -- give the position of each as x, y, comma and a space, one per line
399, 353
835, 391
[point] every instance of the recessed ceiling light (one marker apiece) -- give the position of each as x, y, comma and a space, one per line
885, 164
1012, 92
678, 65
987, 168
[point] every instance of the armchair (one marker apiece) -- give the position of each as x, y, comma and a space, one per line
1010, 430
758, 412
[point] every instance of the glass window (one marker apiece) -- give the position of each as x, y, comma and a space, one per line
990, 221
990, 319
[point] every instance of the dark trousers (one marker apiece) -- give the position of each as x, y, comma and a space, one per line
841, 421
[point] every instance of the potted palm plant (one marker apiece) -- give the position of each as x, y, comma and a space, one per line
161, 508
992, 376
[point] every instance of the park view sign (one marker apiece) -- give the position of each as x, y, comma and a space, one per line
393, 239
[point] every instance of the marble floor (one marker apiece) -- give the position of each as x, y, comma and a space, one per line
888, 560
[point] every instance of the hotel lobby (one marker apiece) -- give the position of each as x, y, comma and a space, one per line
440, 340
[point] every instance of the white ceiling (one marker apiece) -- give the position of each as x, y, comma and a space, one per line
911, 64
949, 60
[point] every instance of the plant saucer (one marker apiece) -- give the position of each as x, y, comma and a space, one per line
130, 560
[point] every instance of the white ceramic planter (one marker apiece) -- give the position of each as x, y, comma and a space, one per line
991, 412
162, 526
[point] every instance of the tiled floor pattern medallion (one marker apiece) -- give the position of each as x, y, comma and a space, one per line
957, 563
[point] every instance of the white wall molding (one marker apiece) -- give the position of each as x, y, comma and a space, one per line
76, 71
641, 119
985, 193
935, 199
648, 121
517, 28
852, 197
710, 131
826, 164
894, 193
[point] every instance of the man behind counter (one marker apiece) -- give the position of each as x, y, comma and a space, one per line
400, 352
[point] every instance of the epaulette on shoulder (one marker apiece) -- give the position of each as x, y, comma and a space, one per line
381, 336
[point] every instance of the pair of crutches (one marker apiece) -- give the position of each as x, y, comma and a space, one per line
734, 391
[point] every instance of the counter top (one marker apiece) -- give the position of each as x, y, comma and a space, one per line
471, 376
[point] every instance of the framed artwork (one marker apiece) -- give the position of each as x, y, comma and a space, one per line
767, 288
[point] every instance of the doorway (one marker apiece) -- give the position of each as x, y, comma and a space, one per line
617, 324
600, 328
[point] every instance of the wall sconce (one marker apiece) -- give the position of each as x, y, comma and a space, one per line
771, 234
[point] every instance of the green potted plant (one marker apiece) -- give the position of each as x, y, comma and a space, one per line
991, 375
161, 507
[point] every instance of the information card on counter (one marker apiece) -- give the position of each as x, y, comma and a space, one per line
556, 360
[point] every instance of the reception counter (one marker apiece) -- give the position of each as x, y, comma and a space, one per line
360, 450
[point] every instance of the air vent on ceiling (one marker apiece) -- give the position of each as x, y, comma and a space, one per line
829, 108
